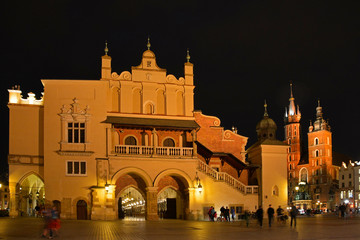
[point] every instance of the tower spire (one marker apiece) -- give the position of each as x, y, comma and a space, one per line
292, 109
265, 110
148, 45
187, 56
106, 48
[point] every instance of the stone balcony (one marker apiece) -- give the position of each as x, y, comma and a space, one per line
154, 151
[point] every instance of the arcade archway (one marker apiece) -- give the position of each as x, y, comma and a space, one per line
30, 193
173, 197
130, 195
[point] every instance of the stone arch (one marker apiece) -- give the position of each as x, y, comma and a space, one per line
174, 172
149, 107
134, 170
28, 174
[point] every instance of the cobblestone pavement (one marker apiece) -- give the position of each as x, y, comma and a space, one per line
318, 227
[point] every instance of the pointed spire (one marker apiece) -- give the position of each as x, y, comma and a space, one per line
187, 56
265, 111
292, 110
148, 45
106, 48
319, 113
291, 92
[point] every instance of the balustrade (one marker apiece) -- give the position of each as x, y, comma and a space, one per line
150, 150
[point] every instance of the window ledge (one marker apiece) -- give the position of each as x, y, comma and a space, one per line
75, 153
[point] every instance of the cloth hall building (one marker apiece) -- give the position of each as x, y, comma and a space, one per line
131, 145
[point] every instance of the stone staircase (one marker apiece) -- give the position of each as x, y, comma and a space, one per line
228, 179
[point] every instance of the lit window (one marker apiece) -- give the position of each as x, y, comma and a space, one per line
76, 132
341, 195
350, 193
76, 168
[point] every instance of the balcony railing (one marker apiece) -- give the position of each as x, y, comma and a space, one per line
151, 151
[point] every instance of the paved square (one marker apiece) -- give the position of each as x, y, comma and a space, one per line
318, 227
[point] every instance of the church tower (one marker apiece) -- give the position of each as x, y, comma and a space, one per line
292, 135
320, 160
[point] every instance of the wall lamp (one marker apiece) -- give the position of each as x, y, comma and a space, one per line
198, 183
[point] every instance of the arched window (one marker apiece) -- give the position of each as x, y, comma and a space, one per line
316, 153
316, 141
168, 142
303, 175
130, 140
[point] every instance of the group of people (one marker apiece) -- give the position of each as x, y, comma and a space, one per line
51, 221
224, 214
280, 215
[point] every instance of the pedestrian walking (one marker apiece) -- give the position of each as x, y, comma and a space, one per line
233, 213
270, 213
260, 215
211, 213
293, 213
247, 218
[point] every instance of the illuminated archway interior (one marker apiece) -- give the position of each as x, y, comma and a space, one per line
31, 192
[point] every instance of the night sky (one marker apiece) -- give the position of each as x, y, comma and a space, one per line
243, 52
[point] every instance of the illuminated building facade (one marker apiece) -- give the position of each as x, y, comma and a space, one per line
129, 144
313, 178
349, 184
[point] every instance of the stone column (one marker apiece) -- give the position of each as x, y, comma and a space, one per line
14, 211
151, 203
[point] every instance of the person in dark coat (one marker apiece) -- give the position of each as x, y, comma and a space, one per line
293, 213
270, 213
260, 215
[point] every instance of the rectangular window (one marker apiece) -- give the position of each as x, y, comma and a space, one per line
76, 168
76, 132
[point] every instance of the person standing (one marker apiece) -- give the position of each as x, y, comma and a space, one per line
227, 214
270, 213
293, 213
260, 215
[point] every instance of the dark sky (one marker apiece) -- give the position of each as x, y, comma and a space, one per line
243, 52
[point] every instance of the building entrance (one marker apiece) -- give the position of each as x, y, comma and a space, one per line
131, 205
169, 204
